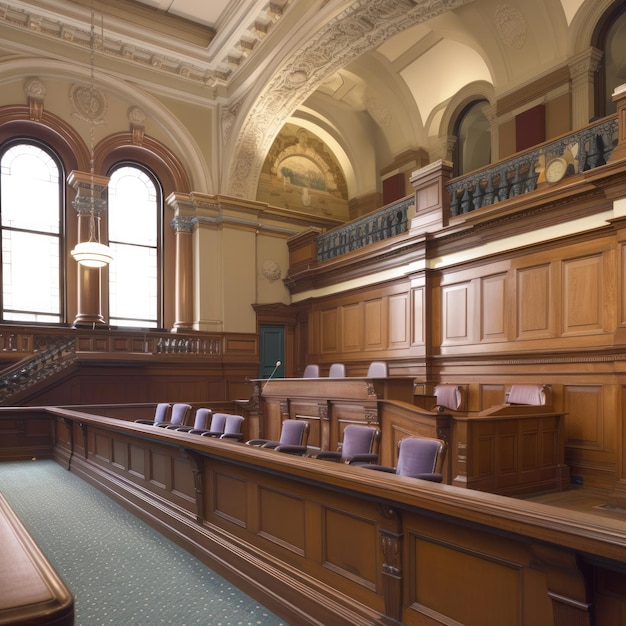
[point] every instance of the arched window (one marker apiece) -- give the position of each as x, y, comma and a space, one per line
135, 207
473, 138
31, 200
610, 37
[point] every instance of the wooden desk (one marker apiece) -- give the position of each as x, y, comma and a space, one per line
509, 450
31, 592
328, 404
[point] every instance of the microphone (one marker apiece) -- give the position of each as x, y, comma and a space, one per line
278, 364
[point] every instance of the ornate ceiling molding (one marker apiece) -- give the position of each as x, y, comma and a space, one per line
361, 27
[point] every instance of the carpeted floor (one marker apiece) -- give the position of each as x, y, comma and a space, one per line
121, 571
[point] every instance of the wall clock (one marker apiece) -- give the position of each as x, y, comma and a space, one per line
556, 170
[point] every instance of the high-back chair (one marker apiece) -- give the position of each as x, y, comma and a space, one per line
360, 445
233, 429
294, 435
311, 371
448, 396
178, 416
200, 422
418, 457
378, 369
527, 394
337, 370
161, 415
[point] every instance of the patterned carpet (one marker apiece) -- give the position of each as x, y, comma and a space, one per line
121, 571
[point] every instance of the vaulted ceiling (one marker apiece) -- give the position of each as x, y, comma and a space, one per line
358, 73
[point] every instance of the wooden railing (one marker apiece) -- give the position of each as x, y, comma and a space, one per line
320, 542
583, 150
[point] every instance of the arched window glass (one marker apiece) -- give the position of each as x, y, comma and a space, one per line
135, 202
615, 60
31, 195
473, 133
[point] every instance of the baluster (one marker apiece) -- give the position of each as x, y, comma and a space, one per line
454, 202
503, 187
477, 196
466, 202
516, 184
489, 192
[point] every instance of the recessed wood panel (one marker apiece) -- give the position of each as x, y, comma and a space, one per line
328, 330
120, 454
351, 327
374, 325
455, 311
582, 295
282, 519
136, 461
534, 302
582, 405
159, 469
182, 479
350, 546
417, 313
229, 498
398, 321
493, 308
474, 581
102, 447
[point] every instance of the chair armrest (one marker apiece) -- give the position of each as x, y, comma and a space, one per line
291, 449
256, 442
150, 422
380, 468
270, 444
327, 455
362, 458
184, 429
435, 478
208, 433
232, 436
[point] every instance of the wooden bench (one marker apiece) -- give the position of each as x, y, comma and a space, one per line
31, 591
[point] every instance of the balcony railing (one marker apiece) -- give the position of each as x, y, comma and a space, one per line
385, 223
583, 150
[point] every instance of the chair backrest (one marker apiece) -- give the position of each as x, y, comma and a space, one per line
201, 420
311, 371
419, 455
337, 370
377, 369
359, 440
233, 424
161, 412
527, 394
179, 413
449, 396
294, 433
218, 422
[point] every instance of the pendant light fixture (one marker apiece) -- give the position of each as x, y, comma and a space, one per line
92, 253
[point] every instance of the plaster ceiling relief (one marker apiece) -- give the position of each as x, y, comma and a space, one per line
203, 42
359, 28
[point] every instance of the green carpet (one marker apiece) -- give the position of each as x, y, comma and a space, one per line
121, 571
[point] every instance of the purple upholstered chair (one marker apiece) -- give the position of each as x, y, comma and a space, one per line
200, 422
225, 426
337, 370
448, 396
377, 369
179, 414
161, 414
527, 394
418, 457
294, 435
360, 445
311, 371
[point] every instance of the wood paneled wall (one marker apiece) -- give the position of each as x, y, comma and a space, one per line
511, 295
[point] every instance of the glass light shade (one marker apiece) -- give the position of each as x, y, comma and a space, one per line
92, 254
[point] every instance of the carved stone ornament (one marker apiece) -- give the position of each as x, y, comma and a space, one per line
89, 103
271, 270
511, 26
34, 88
362, 26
